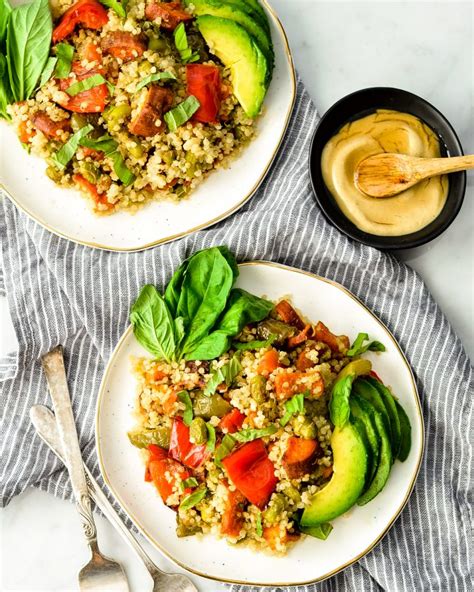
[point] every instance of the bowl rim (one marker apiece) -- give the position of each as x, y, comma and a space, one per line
102, 393
385, 243
172, 237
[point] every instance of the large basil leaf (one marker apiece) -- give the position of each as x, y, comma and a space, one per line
242, 308
5, 11
28, 44
207, 282
153, 324
5, 95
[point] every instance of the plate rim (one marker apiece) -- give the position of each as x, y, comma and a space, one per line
164, 552
104, 247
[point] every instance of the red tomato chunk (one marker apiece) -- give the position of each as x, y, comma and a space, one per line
88, 13
204, 82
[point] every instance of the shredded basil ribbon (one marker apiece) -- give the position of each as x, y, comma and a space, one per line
211, 437
187, 483
294, 405
225, 373
64, 155
64, 53
154, 78
119, 7
181, 43
256, 344
109, 147
258, 524
87, 84
184, 397
224, 449
358, 348
252, 434
181, 113
193, 499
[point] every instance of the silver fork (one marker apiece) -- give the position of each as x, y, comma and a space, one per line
101, 574
45, 425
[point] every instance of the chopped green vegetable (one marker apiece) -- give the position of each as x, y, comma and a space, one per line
119, 7
184, 397
224, 449
154, 78
109, 147
188, 483
293, 406
358, 348
64, 155
48, 70
193, 499
144, 437
225, 373
255, 344
181, 113
87, 84
258, 524
64, 53
211, 437
181, 43
252, 434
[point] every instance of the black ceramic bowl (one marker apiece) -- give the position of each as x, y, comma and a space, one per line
362, 103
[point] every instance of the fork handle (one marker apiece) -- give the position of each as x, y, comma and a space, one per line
53, 365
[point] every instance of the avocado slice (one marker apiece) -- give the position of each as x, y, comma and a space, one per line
347, 482
389, 403
372, 395
363, 411
256, 7
405, 433
385, 462
222, 9
359, 367
237, 50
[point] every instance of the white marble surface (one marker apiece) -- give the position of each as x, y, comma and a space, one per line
339, 47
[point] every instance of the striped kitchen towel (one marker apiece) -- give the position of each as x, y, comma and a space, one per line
60, 292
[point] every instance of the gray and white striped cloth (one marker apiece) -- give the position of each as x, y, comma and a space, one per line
59, 292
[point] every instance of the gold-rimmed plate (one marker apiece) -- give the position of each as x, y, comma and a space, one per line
310, 560
65, 213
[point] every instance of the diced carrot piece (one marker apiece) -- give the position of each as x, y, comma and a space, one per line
303, 362
288, 384
24, 133
338, 343
299, 457
168, 405
288, 314
269, 362
232, 519
274, 537
302, 336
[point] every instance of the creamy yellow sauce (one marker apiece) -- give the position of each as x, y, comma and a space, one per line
383, 131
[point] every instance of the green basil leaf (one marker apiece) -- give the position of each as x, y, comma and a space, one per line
225, 373
293, 406
48, 70
153, 324
105, 144
321, 531
211, 437
154, 78
241, 309
64, 155
86, 84
255, 344
64, 53
119, 7
181, 113
5, 11
120, 168
224, 449
5, 94
188, 415
339, 409
188, 483
252, 434
109, 147
28, 43
358, 348
193, 499
258, 524
181, 43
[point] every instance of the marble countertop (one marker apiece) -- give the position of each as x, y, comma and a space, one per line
338, 47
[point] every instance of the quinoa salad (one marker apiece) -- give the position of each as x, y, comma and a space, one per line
139, 100
239, 436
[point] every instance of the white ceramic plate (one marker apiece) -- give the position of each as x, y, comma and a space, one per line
309, 560
66, 213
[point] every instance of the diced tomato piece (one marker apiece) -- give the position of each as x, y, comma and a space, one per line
288, 384
170, 13
233, 519
268, 363
338, 343
182, 449
275, 538
232, 422
252, 472
299, 457
288, 314
88, 13
123, 45
302, 336
91, 189
204, 82
87, 101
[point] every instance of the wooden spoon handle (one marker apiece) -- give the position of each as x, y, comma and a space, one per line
430, 167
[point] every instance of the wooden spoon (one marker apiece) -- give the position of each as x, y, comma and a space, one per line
385, 175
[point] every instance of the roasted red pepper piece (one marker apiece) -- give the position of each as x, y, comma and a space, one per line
170, 13
88, 13
182, 449
165, 472
232, 422
204, 82
252, 472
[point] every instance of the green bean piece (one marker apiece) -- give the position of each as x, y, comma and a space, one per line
258, 389
207, 512
90, 172
157, 44
198, 431
78, 121
277, 505
54, 174
115, 116
143, 438
304, 427
273, 327
144, 68
292, 493
207, 407
167, 156
136, 151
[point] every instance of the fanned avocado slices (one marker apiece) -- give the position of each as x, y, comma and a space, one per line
372, 395
405, 433
257, 8
389, 402
363, 411
233, 12
238, 51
